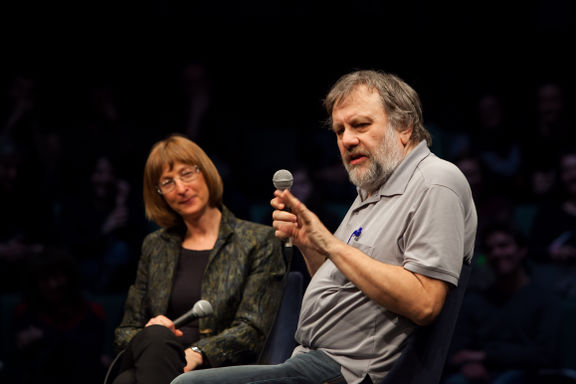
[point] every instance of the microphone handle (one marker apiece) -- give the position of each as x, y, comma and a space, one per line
185, 318
288, 241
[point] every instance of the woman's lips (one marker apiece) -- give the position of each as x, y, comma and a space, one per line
187, 201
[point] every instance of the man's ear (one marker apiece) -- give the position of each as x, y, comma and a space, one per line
405, 136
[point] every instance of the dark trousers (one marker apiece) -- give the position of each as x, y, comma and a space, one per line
153, 356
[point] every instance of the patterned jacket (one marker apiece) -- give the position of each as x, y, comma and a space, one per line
242, 281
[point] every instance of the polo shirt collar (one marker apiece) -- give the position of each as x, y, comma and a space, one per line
396, 184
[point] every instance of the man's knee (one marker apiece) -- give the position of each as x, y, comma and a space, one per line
180, 380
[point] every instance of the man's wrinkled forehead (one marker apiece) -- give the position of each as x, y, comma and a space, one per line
355, 92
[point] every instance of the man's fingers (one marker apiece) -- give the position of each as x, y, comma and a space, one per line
276, 203
290, 201
283, 216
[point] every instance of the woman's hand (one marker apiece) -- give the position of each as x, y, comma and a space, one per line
165, 322
193, 360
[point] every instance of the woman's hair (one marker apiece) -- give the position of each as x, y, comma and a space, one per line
164, 154
400, 101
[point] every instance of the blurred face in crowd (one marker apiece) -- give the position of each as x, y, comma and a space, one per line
104, 177
489, 112
53, 285
9, 172
568, 173
550, 102
503, 253
470, 167
370, 148
185, 191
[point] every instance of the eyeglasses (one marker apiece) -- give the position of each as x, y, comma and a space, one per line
187, 176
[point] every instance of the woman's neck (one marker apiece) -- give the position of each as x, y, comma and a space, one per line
202, 231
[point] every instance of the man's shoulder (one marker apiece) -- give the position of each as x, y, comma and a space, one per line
436, 170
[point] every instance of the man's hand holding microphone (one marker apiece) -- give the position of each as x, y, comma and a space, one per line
292, 220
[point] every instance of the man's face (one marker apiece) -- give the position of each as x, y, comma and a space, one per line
503, 253
369, 147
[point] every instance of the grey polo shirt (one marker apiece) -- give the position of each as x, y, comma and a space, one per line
422, 218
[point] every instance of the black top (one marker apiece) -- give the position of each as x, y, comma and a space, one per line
187, 289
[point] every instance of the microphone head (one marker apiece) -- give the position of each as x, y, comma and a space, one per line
282, 179
202, 308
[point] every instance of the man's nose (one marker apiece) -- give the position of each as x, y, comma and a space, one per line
349, 138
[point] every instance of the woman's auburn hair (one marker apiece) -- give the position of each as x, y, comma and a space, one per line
176, 148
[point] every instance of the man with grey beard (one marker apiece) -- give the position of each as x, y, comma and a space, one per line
392, 261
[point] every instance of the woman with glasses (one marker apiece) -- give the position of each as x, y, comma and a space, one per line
201, 252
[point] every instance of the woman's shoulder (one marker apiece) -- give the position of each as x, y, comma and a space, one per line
253, 229
246, 226
161, 235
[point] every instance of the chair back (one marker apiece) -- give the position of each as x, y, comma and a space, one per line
281, 342
423, 360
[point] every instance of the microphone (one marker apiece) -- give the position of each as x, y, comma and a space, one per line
282, 180
201, 308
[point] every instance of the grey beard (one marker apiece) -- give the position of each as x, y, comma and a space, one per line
380, 169
372, 179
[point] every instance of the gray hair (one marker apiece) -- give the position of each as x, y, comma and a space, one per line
400, 101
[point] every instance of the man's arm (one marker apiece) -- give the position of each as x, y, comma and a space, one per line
412, 295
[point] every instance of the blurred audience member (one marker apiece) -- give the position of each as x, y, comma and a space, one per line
492, 203
493, 140
26, 217
197, 89
21, 112
102, 224
58, 333
553, 235
509, 332
551, 124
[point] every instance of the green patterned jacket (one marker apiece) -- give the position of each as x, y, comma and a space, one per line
242, 281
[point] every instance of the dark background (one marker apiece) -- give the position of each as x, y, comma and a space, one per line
271, 63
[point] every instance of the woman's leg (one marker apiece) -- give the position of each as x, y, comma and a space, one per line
153, 356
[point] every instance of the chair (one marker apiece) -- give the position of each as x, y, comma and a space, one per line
281, 342
423, 360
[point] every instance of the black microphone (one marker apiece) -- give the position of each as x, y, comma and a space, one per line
201, 308
282, 180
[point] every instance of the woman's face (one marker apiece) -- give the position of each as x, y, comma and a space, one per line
187, 198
